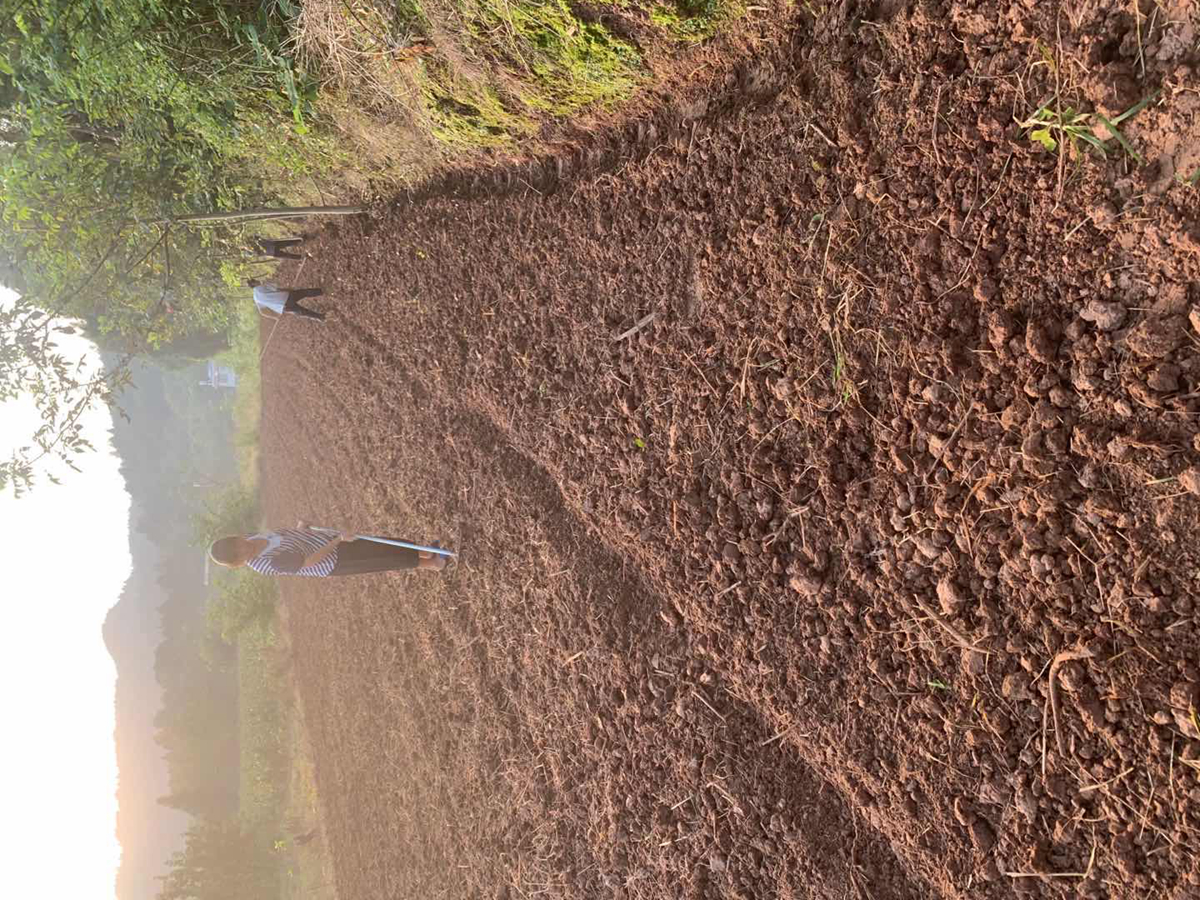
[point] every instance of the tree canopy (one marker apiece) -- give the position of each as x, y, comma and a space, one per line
220, 861
117, 118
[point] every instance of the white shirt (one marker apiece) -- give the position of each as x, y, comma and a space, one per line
268, 296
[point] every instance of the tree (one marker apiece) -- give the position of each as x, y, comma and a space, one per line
31, 365
130, 132
220, 861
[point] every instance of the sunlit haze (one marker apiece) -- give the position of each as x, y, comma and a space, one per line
66, 558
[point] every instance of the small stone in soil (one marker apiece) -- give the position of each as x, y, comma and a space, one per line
1104, 314
1189, 480
1103, 214
950, 595
806, 585
1001, 328
974, 663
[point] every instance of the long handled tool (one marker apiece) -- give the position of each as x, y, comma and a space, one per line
382, 540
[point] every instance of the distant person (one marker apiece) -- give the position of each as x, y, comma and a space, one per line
274, 301
303, 551
279, 248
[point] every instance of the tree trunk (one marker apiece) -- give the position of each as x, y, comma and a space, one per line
247, 215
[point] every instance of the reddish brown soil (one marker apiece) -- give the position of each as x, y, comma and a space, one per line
764, 598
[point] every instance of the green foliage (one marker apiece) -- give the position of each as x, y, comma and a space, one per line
197, 724
573, 64
244, 601
544, 60
691, 20
63, 388
245, 348
263, 733
121, 114
228, 856
1049, 125
221, 860
463, 114
116, 116
232, 511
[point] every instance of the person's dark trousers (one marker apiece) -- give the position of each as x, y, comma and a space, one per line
293, 303
278, 248
358, 557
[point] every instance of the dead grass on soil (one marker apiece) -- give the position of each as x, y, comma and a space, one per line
410, 85
308, 867
278, 790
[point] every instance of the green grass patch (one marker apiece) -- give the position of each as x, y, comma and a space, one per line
243, 357
516, 62
462, 114
264, 714
569, 64
693, 20
484, 73
278, 803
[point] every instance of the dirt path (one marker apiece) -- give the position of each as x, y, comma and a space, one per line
801, 441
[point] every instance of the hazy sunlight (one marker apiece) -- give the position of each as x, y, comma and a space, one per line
66, 555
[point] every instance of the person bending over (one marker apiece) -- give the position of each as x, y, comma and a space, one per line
274, 301
302, 551
281, 248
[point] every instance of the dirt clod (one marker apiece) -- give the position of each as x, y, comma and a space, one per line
982, 835
1104, 314
1164, 378
950, 596
806, 585
1039, 342
1157, 336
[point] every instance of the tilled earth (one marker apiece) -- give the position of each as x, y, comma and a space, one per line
822, 453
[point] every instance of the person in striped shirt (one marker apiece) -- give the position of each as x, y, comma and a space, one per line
302, 551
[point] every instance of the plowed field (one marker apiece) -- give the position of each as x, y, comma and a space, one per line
821, 453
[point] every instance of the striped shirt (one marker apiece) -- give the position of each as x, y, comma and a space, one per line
286, 550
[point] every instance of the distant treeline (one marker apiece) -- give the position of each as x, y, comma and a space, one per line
176, 454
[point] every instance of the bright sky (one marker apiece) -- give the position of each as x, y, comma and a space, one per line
65, 552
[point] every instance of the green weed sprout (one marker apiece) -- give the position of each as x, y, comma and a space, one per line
1050, 126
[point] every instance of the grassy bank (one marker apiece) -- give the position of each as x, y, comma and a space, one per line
278, 795
405, 86
243, 357
277, 798
264, 716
